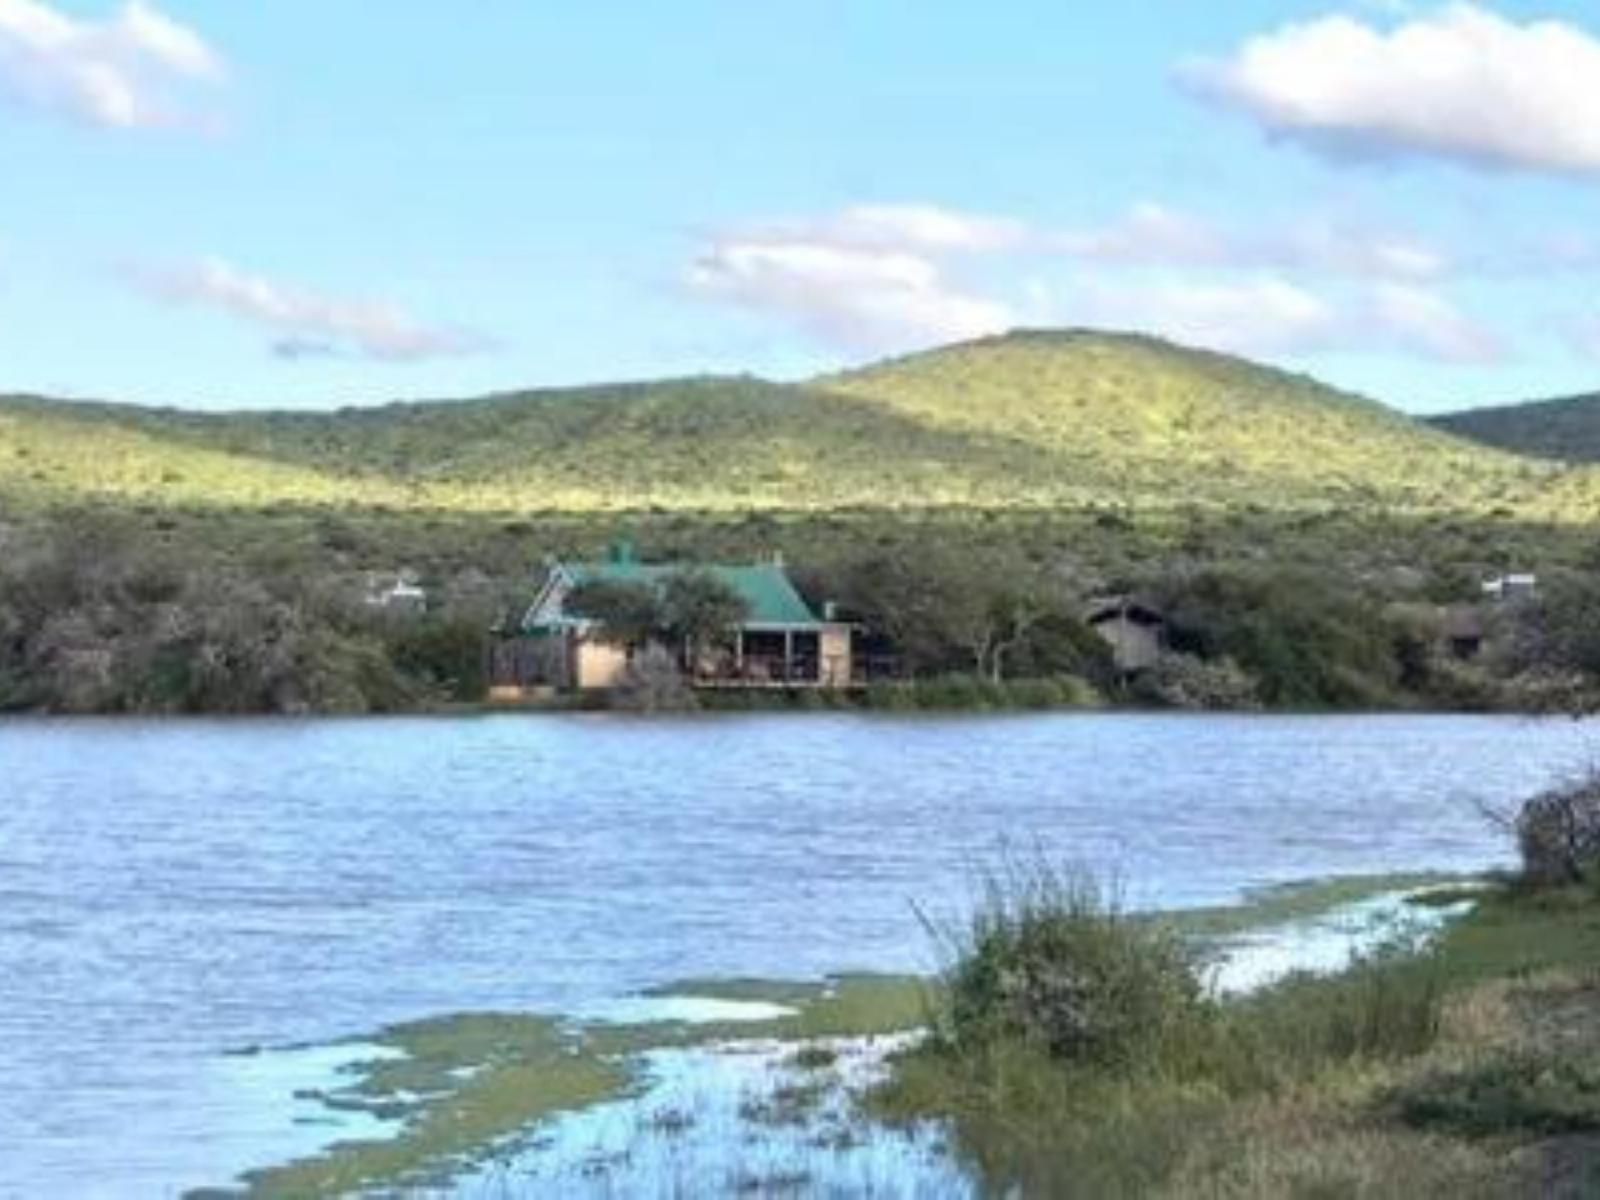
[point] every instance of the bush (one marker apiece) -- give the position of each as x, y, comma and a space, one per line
445, 657
1184, 681
653, 683
1307, 638
1558, 834
1063, 691
1047, 959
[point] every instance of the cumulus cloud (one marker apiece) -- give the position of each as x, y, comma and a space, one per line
861, 297
1269, 315
926, 227
306, 323
873, 278
1459, 83
1258, 316
1155, 235
1424, 322
122, 72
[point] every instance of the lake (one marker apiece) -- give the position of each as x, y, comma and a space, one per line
174, 890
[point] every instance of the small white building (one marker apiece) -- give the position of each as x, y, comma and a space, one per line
1512, 587
403, 595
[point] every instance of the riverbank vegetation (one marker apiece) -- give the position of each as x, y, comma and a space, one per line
1074, 1049
142, 611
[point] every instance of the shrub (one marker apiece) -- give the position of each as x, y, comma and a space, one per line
446, 657
1049, 960
653, 683
1065, 691
1558, 834
1184, 681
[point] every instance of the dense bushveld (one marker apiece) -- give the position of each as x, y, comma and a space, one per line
961, 503
1564, 430
1028, 420
174, 610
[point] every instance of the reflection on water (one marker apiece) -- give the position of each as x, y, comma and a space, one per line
173, 890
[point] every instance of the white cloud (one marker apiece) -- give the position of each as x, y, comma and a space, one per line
120, 72
1460, 83
1426, 323
307, 324
1269, 315
860, 297
1155, 235
923, 227
874, 278
1259, 316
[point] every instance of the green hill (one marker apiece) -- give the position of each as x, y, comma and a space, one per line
1029, 420
1566, 430
1142, 418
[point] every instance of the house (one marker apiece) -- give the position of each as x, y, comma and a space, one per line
1463, 631
781, 642
1512, 587
1135, 630
403, 595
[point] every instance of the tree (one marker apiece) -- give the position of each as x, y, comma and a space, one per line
972, 608
699, 610
628, 614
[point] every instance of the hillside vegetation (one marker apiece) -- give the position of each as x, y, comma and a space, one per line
961, 504
1566, 430
1030, 420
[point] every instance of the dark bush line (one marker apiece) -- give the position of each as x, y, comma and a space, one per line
180, 612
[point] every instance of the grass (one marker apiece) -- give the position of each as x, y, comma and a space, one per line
1471, 1070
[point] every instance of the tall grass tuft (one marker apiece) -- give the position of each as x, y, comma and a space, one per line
1076, 1050
1049, 958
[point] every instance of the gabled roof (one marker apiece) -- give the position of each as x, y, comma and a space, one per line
769, 596
1136, 609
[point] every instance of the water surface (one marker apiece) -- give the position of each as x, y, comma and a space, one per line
172, 890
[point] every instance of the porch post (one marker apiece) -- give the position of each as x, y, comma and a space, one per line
788, 655
738, 654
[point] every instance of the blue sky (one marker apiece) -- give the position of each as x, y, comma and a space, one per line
305, 204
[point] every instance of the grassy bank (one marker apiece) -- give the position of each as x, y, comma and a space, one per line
1470, 1070
467, 1092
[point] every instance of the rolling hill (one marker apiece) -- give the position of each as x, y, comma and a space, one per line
1028, 420
1567, 429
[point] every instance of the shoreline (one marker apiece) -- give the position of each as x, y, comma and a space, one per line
510, 1081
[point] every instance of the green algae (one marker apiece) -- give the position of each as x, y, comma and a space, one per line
1284, 903
471, 1084
465, 1083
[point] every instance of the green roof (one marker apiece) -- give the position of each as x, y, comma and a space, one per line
769, 596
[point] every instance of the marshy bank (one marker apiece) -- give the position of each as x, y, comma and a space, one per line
1074, 1049
727, 1087
1441, 1040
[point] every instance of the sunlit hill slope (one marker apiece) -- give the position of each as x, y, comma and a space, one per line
1031, 419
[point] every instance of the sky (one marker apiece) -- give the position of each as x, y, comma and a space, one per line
313, 203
